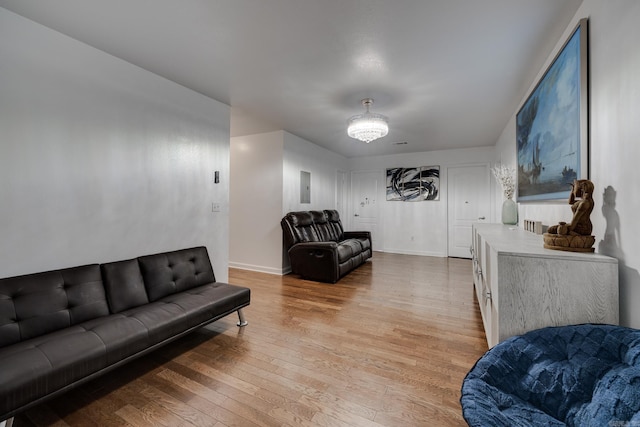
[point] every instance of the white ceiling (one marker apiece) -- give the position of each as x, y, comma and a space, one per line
448, 73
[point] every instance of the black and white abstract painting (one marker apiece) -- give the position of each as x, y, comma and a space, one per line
413, 184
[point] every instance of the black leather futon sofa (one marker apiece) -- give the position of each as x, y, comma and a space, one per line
61, 328
320, 249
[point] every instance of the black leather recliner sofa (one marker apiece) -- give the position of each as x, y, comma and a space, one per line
319, 248
61, 328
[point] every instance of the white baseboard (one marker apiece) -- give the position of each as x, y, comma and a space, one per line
419, 253
258, 268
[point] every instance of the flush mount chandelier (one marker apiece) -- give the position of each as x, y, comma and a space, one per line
367, 126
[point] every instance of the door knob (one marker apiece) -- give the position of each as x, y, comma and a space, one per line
356, 215
481, 217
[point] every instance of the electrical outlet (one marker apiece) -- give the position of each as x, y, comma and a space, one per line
215, 207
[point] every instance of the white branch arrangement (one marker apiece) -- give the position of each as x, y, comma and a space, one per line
506, 176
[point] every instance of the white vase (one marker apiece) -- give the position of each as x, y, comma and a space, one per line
509, 212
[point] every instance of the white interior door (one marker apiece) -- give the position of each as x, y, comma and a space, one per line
468, 202
364, 203
341, 192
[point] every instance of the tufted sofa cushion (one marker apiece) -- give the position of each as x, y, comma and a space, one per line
579, 375
170, 272
35, 304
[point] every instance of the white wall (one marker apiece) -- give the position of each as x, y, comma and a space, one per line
256, 202
265, 185
615, 135
425, 221
323, 165
302, 155
101, 160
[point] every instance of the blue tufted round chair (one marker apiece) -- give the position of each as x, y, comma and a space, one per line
579, 375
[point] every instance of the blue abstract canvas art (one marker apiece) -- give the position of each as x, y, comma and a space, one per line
551, 128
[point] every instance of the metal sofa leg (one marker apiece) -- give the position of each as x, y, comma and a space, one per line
242, 321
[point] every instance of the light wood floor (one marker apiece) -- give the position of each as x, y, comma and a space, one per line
389, 345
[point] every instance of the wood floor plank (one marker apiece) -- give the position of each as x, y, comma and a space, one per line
133, 416
43, 416
388, 345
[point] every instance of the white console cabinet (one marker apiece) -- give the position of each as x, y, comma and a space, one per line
522, 286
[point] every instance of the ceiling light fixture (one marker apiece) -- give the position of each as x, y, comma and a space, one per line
367, 126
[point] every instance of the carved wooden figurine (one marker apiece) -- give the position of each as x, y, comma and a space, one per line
576, 235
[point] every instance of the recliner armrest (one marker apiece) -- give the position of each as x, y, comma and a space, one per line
322, 246
357, 235
315, 260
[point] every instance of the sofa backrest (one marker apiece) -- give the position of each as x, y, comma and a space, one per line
322, 227
298, 227
134, 282
124, 285
312, 226
171, 272
333, 219
36, 304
